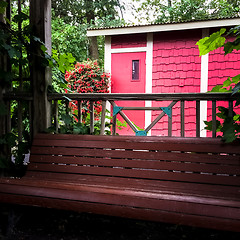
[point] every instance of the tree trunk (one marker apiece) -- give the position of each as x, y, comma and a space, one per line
93, 45
93, 48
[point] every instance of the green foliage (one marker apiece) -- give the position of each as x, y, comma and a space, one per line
3, 6
70, 20
9, 142
211, 43
69, 125
85, 11
230, 126
69, 38
159, 11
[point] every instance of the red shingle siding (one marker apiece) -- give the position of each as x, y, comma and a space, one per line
176, 69
220, 68
129, 41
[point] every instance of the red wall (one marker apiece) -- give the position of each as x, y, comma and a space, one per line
127, 41
176, 69
220, 68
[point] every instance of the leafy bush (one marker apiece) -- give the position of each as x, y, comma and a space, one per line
87, 77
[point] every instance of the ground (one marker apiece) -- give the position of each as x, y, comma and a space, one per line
29, 223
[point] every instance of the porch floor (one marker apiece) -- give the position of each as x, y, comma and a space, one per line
51, 224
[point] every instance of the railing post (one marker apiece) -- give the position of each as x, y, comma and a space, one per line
114, 125
103, 114
169, 126
30, 119
91, 117
20, 127
55, 115
79, 105
182, 119
230, 112
214, 123
197, 118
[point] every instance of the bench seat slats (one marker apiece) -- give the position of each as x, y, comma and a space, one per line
166, 202
177, 180
122, 211
130, 190
138, 164
120, 154
138, 173
161, 146
207, 190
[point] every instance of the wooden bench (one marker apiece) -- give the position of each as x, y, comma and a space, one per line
190, 181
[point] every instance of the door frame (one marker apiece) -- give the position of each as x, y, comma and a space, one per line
149, 62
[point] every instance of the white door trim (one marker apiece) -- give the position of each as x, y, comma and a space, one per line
149, 61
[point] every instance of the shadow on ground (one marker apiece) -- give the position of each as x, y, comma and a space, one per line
29, 223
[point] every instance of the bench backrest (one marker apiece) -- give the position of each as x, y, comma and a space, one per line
198, 160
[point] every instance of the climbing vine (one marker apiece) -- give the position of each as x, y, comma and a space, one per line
230, 123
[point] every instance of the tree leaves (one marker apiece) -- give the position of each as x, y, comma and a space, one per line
3, 6
212, 42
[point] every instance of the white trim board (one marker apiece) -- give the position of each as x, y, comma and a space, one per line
128, 50
148, 86
163, 27
107, 65
204, 87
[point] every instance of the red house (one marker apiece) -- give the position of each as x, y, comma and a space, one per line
164, 58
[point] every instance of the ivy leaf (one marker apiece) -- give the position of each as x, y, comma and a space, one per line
65, 62
223, 112
38, 40
11, 139
43, 48
20, 17
216, 88
212, 42
67, 119
228, 130
236, 117
219, 88
236, 79
227, 82
209, 125
12, 52
236, 88
3, 6
230, 46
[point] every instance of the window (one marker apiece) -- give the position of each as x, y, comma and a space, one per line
135, 69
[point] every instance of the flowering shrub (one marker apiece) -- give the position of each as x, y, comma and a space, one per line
87, 77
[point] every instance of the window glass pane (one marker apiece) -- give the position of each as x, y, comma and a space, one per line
135, 69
